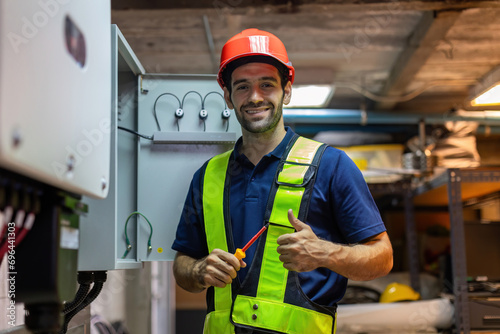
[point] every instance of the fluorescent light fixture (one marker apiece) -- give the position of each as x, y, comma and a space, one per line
310, 96
490, 97
485, 114
487, 91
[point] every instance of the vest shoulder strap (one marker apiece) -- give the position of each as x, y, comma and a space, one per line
294, 180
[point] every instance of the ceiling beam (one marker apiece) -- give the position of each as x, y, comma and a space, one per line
297, 5
431, 29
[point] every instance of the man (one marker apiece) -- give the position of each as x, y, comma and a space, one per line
324, 227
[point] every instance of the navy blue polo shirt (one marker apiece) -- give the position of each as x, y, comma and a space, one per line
341, 210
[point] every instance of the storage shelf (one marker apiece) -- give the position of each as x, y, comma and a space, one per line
452, 188
435, 191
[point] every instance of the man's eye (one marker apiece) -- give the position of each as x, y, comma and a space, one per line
241, 87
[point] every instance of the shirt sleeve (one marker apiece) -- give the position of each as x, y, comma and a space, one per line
190, 236
357, 215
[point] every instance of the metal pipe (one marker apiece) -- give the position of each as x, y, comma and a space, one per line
421, 135
351, 116
210, 40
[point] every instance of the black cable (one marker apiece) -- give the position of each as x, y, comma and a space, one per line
82, 292
136, 133
154, 107
192, 91
224, 100
225, 105
85, 279
99, 279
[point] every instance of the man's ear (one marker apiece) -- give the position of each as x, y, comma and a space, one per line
227, 97
287, 93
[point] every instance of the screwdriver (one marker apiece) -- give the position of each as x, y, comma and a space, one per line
240, 253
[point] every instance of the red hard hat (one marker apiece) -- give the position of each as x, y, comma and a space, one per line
253, 42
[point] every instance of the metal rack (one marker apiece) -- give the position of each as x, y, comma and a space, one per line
403, 188
458, 185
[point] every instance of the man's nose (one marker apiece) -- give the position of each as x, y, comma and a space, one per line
256, 95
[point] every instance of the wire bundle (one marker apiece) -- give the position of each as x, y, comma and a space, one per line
19, 206
181, 106
84, 296
180, 112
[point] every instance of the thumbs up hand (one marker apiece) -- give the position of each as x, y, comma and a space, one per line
302, 250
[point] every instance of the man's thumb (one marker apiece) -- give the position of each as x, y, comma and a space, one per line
296, 223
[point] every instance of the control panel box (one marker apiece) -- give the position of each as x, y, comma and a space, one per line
55, 92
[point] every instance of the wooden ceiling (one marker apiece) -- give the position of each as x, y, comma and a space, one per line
404, 56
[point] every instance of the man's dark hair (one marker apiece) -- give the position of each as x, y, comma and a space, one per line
228, 71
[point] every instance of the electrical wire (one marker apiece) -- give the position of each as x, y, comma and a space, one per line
27, 226
15, 222
79, 298
99, 280
202, 100
195, 92
7, 216
8, 213
22, 228
129, 245
136, 133
85, 279
3, 234
21, 205
225, 107
156, 101
214, 92
181, 106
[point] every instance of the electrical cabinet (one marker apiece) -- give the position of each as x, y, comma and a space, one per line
178, 148
164, 127
101, 230
55, 93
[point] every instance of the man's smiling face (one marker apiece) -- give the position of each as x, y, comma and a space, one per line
257, 96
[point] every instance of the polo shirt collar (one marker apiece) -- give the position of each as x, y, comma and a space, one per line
277, 152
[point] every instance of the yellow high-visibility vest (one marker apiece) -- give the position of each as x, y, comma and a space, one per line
270, 298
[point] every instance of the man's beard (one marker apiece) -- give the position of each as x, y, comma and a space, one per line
265, 124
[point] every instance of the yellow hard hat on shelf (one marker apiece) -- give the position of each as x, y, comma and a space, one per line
397, 292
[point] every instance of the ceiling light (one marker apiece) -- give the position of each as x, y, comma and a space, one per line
490, 97
487, 91
310, 96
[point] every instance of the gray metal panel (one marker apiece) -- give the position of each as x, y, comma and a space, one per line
102, 241
194, 137
165, 170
